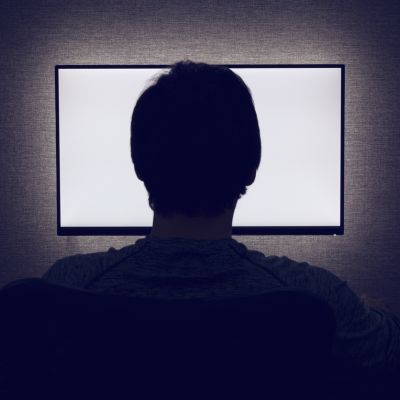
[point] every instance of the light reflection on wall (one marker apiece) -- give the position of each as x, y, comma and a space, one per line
40, 35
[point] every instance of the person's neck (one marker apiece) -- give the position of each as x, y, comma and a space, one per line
199, 228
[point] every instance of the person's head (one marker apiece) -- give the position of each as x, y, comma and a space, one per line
195, 140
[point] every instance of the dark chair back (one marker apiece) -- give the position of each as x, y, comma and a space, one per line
61, 342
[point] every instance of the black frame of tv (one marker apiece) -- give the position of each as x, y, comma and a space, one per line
236, 230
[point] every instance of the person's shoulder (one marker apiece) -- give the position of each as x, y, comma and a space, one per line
79, 269
283, 263
76, 269
299, 274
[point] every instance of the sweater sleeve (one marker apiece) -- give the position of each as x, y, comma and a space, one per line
366, 337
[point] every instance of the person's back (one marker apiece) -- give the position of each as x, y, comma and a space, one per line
195, 143
178, 268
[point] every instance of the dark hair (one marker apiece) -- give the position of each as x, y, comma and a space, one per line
195, 140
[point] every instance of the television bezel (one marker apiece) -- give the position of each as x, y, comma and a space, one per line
236, 230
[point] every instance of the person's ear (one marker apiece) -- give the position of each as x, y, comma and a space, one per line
251, 178
138, 175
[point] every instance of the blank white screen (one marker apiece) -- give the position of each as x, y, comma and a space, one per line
297, 183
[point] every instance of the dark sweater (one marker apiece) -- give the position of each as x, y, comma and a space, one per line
187, 268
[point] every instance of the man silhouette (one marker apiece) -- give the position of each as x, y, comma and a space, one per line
195, 144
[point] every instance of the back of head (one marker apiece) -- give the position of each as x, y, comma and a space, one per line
195, 140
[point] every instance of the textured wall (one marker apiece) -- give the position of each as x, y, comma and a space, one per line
364, 35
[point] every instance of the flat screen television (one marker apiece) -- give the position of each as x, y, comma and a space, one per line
299, 186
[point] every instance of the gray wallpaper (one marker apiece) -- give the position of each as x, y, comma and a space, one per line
363, 35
